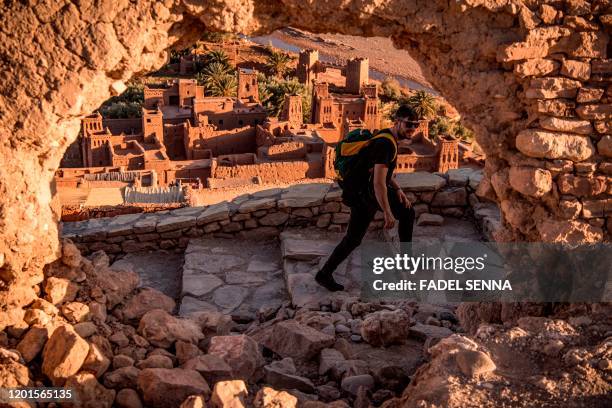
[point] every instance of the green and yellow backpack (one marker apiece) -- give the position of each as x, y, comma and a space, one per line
347, 150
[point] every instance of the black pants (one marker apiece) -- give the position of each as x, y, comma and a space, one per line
363, 208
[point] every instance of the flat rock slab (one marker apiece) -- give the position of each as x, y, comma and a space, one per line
159, 270
426, 331
234, 277
271, 192
420, 181
191, 305
261, 265
257, 204
244, 277
199, 284
192, 211
430, 219
215, 212
229, 297
212, 263
304, 290
305, 250
270, 295
304, 195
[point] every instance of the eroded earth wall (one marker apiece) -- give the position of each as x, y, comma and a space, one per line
532, 78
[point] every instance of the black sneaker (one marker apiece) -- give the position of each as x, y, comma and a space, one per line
328, 282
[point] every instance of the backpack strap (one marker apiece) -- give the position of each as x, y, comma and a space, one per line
388, 136
352, 148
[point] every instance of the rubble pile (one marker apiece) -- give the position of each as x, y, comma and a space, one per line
93, 330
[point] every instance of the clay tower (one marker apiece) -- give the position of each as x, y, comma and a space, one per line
292, 110
357, 75
247, 85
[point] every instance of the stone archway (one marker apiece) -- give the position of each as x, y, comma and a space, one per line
531, 78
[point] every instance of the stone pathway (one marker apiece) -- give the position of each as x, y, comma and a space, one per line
242, 278
248, 278
305, 251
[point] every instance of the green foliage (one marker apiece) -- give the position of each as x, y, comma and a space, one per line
272, 93
121, 110
423, 103
439, 126
391, 89
463, 133
218, 78
262, 86
224, 86
175, 55
443, 126
213, 57
278, 63
127, 105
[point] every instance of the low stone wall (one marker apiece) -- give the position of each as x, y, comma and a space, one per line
265, 214
72, 213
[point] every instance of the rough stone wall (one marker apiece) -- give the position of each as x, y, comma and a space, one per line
266, 213
61, 59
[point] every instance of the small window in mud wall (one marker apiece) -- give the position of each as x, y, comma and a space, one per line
240, 122
220, 122
148, 120
248, 87
254, 81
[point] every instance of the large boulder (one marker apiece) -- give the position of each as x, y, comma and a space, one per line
145, 300
474, 362
122, 377
212, 323
162, 329
60, 290
88, 392
229, 394
530, 181
115, 284
12, 372
63, 355
385, 327
554, 145
283, 374
269, 397
242, 353
33, 342
212, 367
163, 388
96, 361
128, 398
290, 338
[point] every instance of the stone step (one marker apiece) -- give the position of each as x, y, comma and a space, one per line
303, 255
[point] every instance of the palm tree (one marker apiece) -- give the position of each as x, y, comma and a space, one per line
423, 103
262, 87
223, 86
212, 74
278, 63
277, 90
217, 56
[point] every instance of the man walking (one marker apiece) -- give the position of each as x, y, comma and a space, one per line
371, 187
